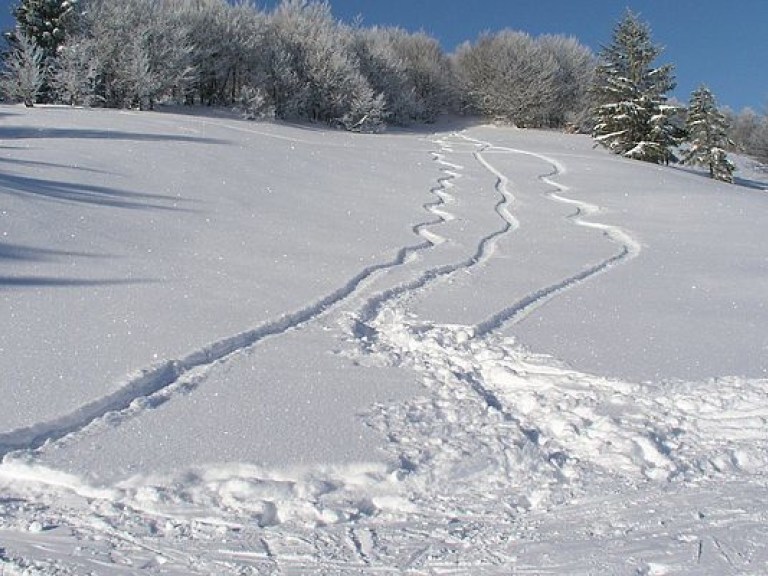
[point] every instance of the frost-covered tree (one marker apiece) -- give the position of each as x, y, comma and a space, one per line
507, 76
310, 70
141, 50
749, 132
575, 68
409, 70
74, 77
707, 134
632, 116
23, 77
528, 81
47, 23
429, 78
385, 72
227, 50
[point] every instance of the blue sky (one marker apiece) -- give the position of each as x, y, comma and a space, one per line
721, 44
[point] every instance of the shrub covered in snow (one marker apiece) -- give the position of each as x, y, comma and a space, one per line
511, 76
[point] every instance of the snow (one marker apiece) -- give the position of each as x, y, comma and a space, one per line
246, 348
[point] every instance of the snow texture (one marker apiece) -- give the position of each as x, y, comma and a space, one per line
239, 348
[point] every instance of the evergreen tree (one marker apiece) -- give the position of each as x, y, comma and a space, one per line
46, 22
707, 130
632, 117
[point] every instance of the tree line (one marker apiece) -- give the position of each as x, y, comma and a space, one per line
295, 62
298, 62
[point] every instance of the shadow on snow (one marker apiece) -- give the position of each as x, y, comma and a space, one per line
17, 252
86, 193
10, 282
21, 132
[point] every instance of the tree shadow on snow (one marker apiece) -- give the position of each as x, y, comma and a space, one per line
737, 181
87, 194
754, 184
11, 282
23, 132
39, 164
19, 253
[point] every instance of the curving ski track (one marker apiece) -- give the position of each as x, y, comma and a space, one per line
151, 381
157, 378
494, 456
485, 250
629, 247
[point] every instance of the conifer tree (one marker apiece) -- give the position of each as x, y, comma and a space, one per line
45, 22
707, 130
632, 117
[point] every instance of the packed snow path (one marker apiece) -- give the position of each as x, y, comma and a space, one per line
384, 420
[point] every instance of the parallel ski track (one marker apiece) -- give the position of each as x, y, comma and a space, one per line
485, 250
158, 377
629, 247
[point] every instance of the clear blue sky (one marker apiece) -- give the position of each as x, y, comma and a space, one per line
723, 44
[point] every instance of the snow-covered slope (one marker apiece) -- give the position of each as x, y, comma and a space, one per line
239, 348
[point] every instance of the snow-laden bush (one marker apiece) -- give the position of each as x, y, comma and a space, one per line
254, 104
74, 78
513, 77
139, 49
366, 112
23, 76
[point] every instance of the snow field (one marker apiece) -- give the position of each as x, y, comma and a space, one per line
379, 412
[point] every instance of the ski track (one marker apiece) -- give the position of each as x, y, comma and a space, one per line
484, 252
153, 384
629, 247
161, 377
498, 445
441, 192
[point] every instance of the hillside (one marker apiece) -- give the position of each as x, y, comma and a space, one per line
257, 348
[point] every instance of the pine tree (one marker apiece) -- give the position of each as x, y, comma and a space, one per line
46, 22
632, 117
707, 130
